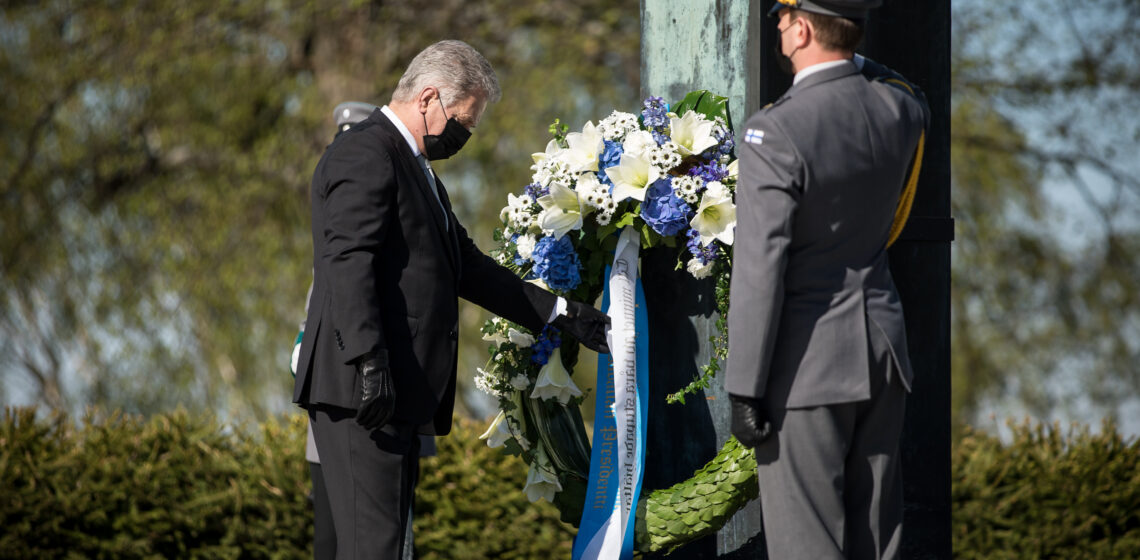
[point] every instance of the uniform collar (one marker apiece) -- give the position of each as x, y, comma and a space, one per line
816, 68
407, 134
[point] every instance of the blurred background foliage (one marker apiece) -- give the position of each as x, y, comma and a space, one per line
154, 224
155, 246
1046, 195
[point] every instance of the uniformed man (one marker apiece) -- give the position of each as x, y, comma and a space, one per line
817, 367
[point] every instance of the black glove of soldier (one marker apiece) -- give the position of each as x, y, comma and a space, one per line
750, 422
377, 394
586, 324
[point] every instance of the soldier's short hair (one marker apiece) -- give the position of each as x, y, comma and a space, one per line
455, 68
833, 32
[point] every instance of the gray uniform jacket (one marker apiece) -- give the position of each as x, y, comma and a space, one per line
821, 171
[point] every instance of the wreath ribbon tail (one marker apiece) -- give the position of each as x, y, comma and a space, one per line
617, 458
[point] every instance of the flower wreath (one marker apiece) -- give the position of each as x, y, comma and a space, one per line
670, 175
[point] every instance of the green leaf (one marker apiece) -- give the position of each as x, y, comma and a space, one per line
705, 103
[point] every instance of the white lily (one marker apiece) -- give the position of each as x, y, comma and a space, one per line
498, 432
554, 381
638, 143
541, 483
734, 169
552, 150
715, 219
561, 211
583, 148
691, 133
632, 176
519, 338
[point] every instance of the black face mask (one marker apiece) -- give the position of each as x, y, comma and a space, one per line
782, 61
447, 143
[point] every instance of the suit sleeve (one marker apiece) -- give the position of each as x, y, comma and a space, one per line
767, 194
495, 288
358, 200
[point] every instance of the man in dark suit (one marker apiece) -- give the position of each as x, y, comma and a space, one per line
817, 366
377, 363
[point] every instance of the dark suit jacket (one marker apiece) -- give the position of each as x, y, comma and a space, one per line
821, 171
387, 275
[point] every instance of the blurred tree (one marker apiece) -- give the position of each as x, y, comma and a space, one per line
154, 223
1046, 123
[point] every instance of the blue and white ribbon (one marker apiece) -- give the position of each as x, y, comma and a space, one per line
618, 454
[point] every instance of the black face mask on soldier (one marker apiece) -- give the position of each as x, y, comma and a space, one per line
447, 143
784, 62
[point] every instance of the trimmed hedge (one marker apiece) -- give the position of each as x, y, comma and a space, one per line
1046, 494
183, 486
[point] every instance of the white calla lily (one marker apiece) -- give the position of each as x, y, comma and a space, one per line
691, 133
541, 482
632, 177
583, 148
715, 219
519, 338
554, 381
561, 211
498, 432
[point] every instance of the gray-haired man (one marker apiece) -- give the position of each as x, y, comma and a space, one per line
817, 364
377, 363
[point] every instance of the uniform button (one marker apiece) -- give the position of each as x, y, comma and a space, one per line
454, 335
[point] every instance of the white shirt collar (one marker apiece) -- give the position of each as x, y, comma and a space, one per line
824, 66
403, 130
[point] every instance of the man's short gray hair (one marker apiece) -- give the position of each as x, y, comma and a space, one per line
455, 68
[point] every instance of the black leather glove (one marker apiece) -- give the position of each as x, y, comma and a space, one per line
586, 324
750, 422
377, 393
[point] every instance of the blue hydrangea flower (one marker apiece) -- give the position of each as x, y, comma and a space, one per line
544, 345
556, 263
664, 211
611, 156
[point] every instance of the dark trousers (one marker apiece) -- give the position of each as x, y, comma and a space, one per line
830, 482
370, 478
324, 538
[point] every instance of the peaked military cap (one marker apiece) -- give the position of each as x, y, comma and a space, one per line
850, 9
351, 112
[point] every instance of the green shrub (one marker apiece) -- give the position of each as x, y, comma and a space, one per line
470, 505
1046, 495
183, 486
173, 486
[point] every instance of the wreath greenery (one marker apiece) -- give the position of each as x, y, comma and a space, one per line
671, 176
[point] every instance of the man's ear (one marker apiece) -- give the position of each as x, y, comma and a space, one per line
426, 98
805, 33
